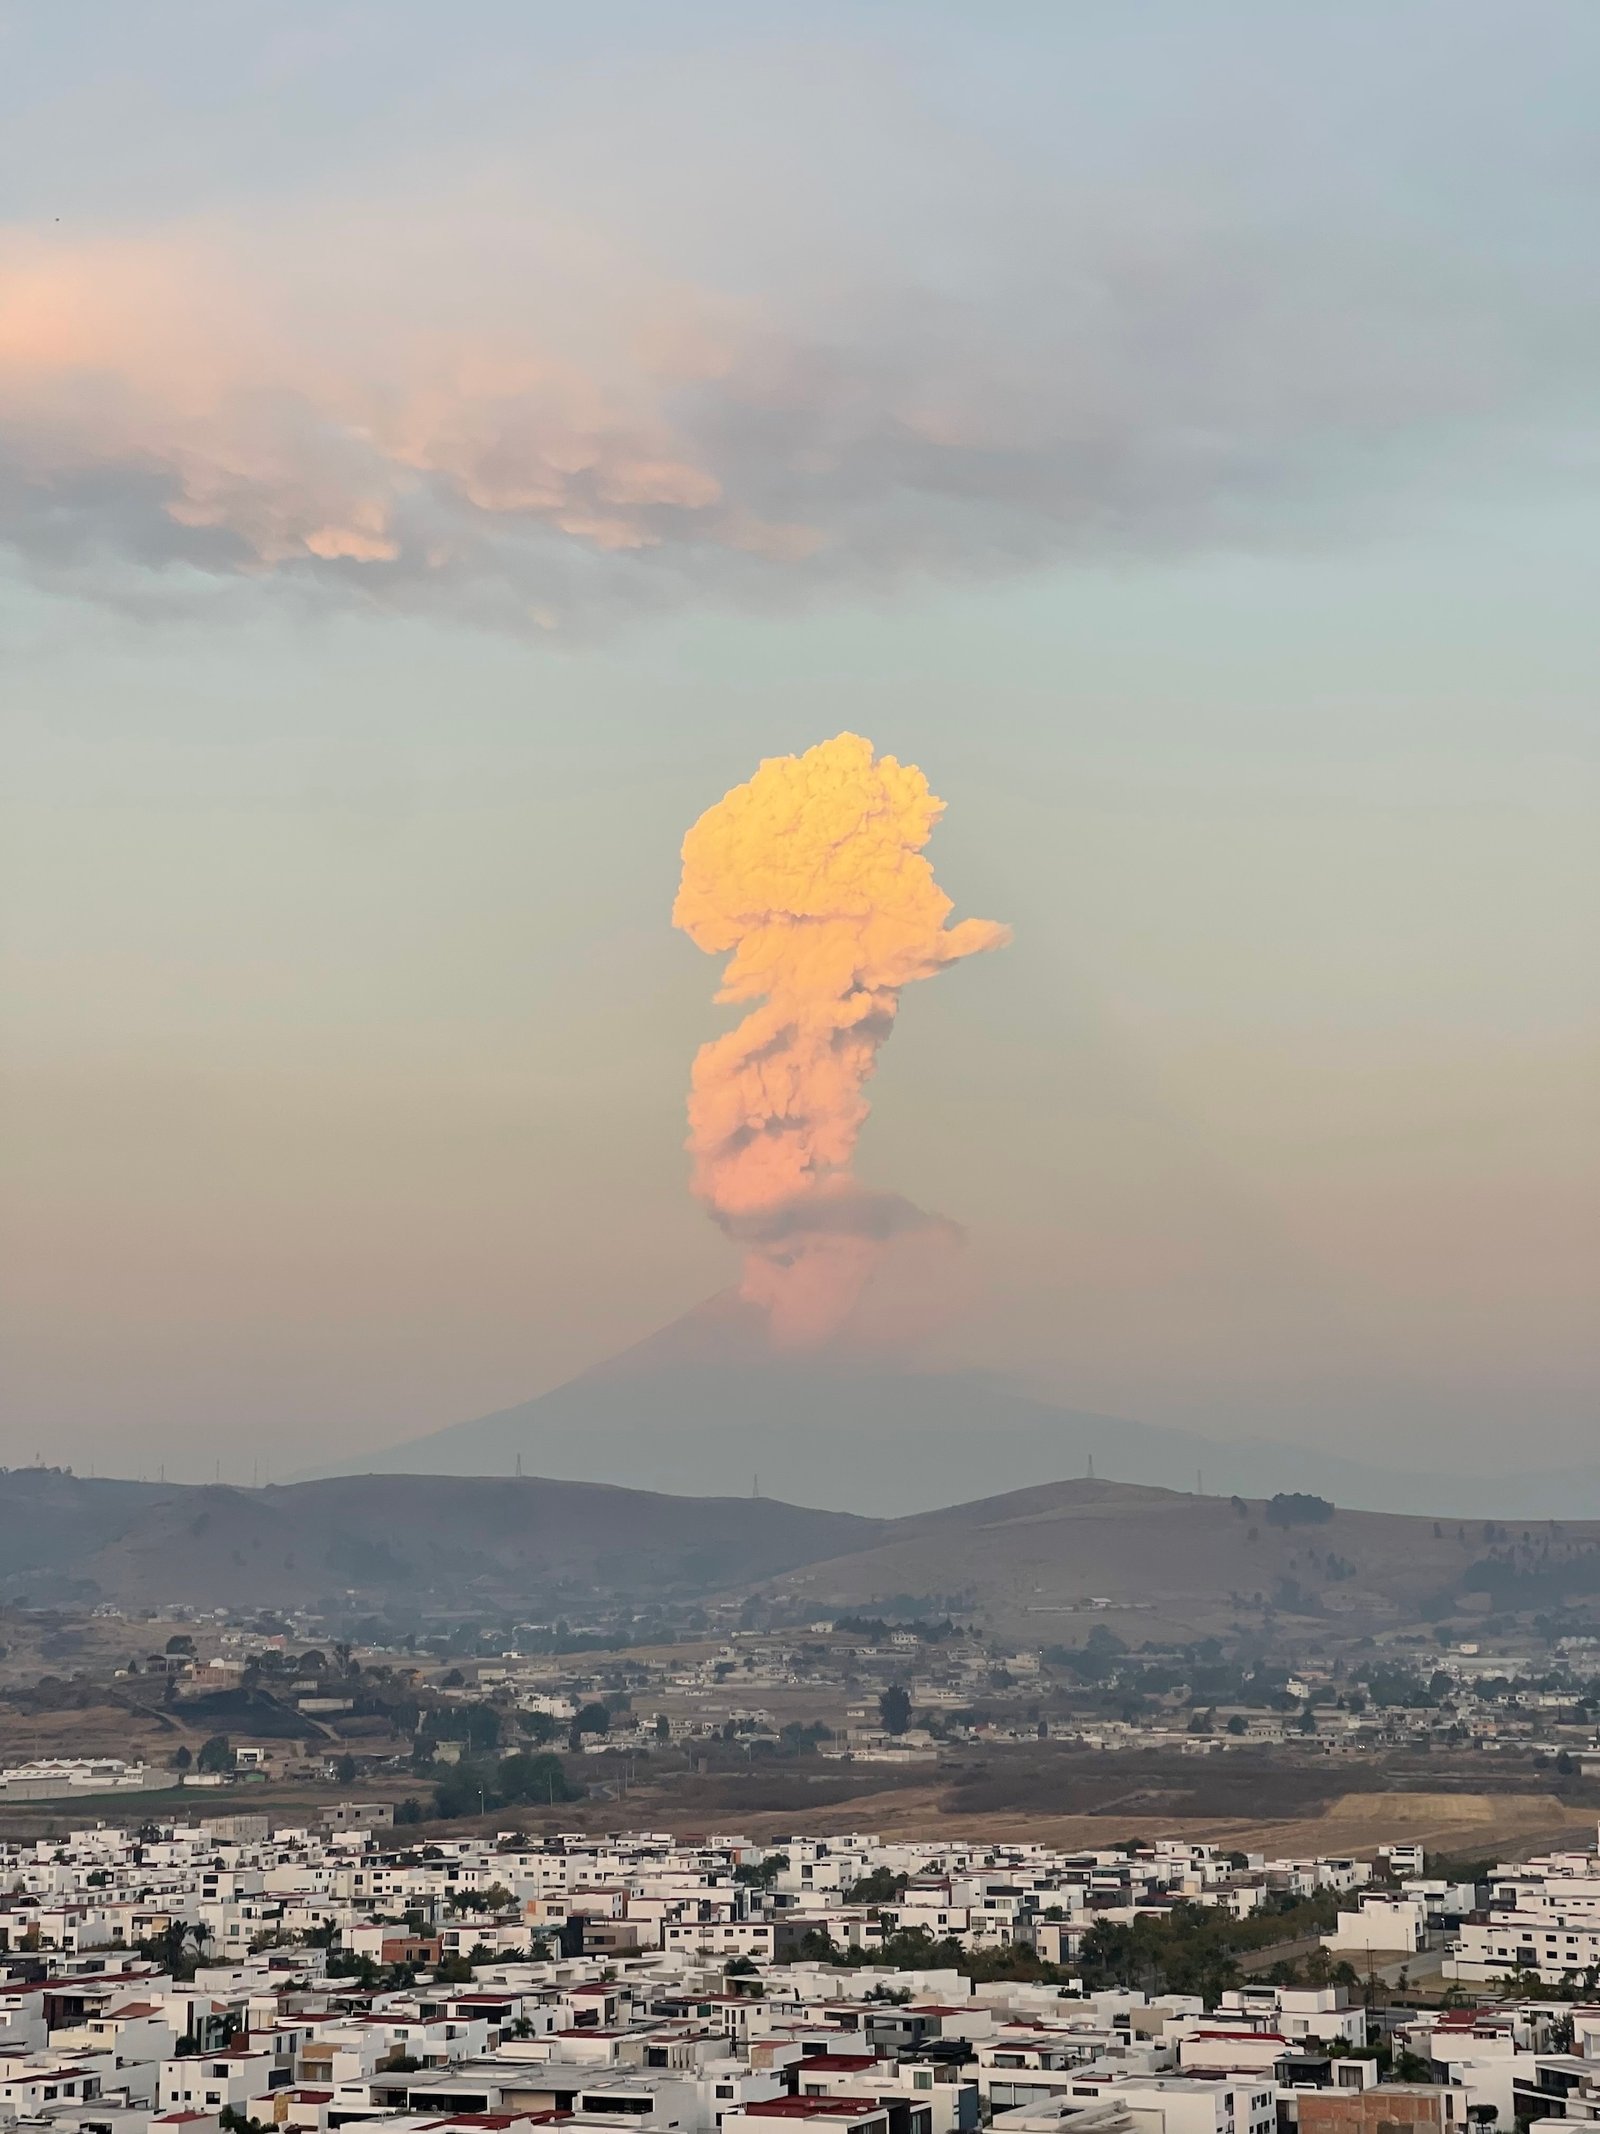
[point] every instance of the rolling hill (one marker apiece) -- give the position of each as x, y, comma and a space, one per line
50, 1518
1044, 1565
372, 1540
1039, 1566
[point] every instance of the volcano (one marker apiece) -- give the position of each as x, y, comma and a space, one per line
707, 1407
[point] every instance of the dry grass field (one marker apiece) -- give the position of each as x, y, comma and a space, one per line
1463, 1826
1460, 1824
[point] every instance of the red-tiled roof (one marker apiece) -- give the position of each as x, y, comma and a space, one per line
495, 2121
815, 2107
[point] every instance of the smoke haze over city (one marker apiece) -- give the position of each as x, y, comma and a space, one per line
439, 459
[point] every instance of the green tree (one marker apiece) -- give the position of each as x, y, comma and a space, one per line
592, 1719
764, 1873
894, 1708
880, 1887
216, 1754
533, 1778
472, 1789
234, 2122
1295, 1508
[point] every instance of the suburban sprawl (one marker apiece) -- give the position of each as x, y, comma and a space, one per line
220, 1972
507, 1804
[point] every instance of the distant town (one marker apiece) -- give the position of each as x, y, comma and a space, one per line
219, 1698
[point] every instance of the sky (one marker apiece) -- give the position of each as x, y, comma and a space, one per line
440, 455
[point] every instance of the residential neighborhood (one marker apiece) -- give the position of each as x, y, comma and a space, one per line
225, 1973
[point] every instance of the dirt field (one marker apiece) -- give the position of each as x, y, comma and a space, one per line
1462, 1824
93, 1730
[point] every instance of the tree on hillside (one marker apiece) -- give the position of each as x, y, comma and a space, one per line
1295, 1508
216, 1754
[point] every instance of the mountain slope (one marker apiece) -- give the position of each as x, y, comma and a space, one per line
1044, 1565
492, 1542
705, 1406
51, 1519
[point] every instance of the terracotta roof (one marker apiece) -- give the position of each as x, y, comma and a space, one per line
814, 2107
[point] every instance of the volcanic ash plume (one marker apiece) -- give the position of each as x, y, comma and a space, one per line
812, 874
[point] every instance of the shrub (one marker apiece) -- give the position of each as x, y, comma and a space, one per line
1294, 1508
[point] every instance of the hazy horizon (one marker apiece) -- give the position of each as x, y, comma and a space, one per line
438, 462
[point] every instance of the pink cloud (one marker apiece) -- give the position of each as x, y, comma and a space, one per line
464, 399
171, 360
